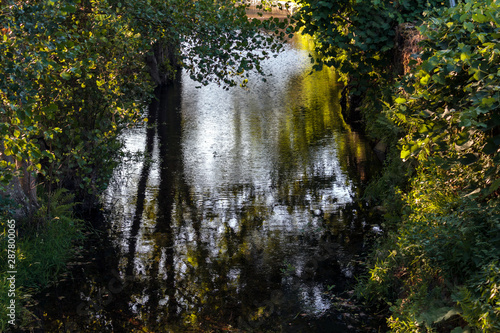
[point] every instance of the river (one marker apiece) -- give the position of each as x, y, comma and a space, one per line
243, 214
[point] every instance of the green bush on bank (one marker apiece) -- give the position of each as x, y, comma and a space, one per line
42, 254
438, 267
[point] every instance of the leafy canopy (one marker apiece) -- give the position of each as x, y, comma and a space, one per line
73, 74
357, 37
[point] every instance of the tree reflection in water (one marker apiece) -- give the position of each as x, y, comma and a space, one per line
244, 215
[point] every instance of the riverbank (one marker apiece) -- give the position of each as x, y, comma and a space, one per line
436, 268
37, 257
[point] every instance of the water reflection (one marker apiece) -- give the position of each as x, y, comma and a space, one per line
242, 214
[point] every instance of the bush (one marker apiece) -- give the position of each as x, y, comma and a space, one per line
42, 252
442, 256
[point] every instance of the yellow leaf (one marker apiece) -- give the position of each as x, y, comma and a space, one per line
425, 80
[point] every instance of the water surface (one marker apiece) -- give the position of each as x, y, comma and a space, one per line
242, 216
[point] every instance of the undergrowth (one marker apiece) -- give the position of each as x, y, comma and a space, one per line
43, 247
437, 267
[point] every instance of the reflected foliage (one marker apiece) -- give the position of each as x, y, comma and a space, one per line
244, 217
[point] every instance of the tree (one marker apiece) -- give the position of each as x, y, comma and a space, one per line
357, 37
74, 75
447, 111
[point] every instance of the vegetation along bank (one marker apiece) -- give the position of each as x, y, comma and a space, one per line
437, 267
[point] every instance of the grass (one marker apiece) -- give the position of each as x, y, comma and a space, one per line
43, 246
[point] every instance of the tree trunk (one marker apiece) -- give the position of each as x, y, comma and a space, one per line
163, 62
21, 189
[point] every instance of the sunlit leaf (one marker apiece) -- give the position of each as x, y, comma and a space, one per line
65, 75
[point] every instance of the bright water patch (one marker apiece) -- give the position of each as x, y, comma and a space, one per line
243, 215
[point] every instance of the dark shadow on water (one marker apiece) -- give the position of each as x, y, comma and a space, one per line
249, 256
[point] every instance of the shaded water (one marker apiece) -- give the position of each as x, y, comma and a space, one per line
243, 216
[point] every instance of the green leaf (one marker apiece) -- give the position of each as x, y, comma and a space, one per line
66, 75
428, 66
468, 159
425, 80
493, 187
35, 154
480, 18
439, 78
469, 26
488, 101
404, 154
69, 8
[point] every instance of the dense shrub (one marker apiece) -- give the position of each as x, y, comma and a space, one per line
358, 37
442, 256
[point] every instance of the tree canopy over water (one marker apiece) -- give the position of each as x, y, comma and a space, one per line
74, 73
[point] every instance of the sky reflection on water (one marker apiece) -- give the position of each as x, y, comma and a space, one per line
244, 215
